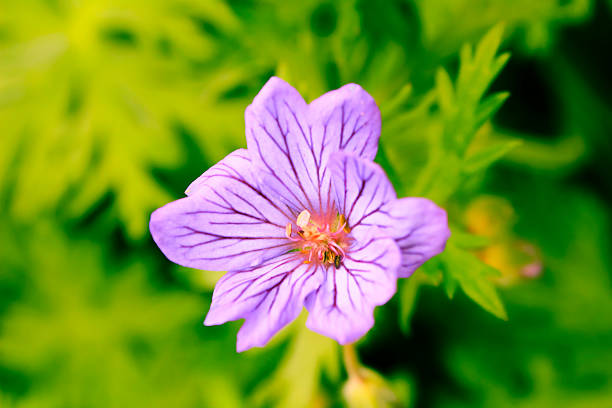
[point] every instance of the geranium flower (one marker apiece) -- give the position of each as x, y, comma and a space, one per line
302, 217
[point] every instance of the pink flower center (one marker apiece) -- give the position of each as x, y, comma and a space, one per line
323, 241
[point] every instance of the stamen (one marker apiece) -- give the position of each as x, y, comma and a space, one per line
303, 219
323, 242
337, 261
336, 249
288, 230
342, 219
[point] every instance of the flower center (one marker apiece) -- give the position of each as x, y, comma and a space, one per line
322, 241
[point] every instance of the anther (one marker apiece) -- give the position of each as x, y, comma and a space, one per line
288, 230
303, 219
337, 261
319, 242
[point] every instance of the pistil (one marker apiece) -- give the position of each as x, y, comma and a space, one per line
323, 242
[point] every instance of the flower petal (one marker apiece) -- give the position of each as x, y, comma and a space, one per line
346, 119
268, 297
361, 187
419, 227
281, 144
343, 306
291, 141
366, 197
237, 159
226, 223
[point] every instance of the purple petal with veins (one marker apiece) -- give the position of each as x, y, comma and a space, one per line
419, 227
225, 224
292, 141
238, 159
268, 297
348, 120
343, 306
366, 197
361, 187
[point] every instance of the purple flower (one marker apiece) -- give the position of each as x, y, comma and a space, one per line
302, 217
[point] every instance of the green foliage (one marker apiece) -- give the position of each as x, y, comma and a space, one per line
462, 113
76, 328
537, 22
462, 268
428, 274
489, 155
555, 346
454, 157
296, 382
115, 79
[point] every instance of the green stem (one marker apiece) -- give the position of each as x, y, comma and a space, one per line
351, 361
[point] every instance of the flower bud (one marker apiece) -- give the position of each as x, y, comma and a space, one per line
368, 389
494, 218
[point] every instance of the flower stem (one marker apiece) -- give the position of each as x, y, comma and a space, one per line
351, 361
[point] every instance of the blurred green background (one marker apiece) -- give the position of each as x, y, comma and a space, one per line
499, 110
